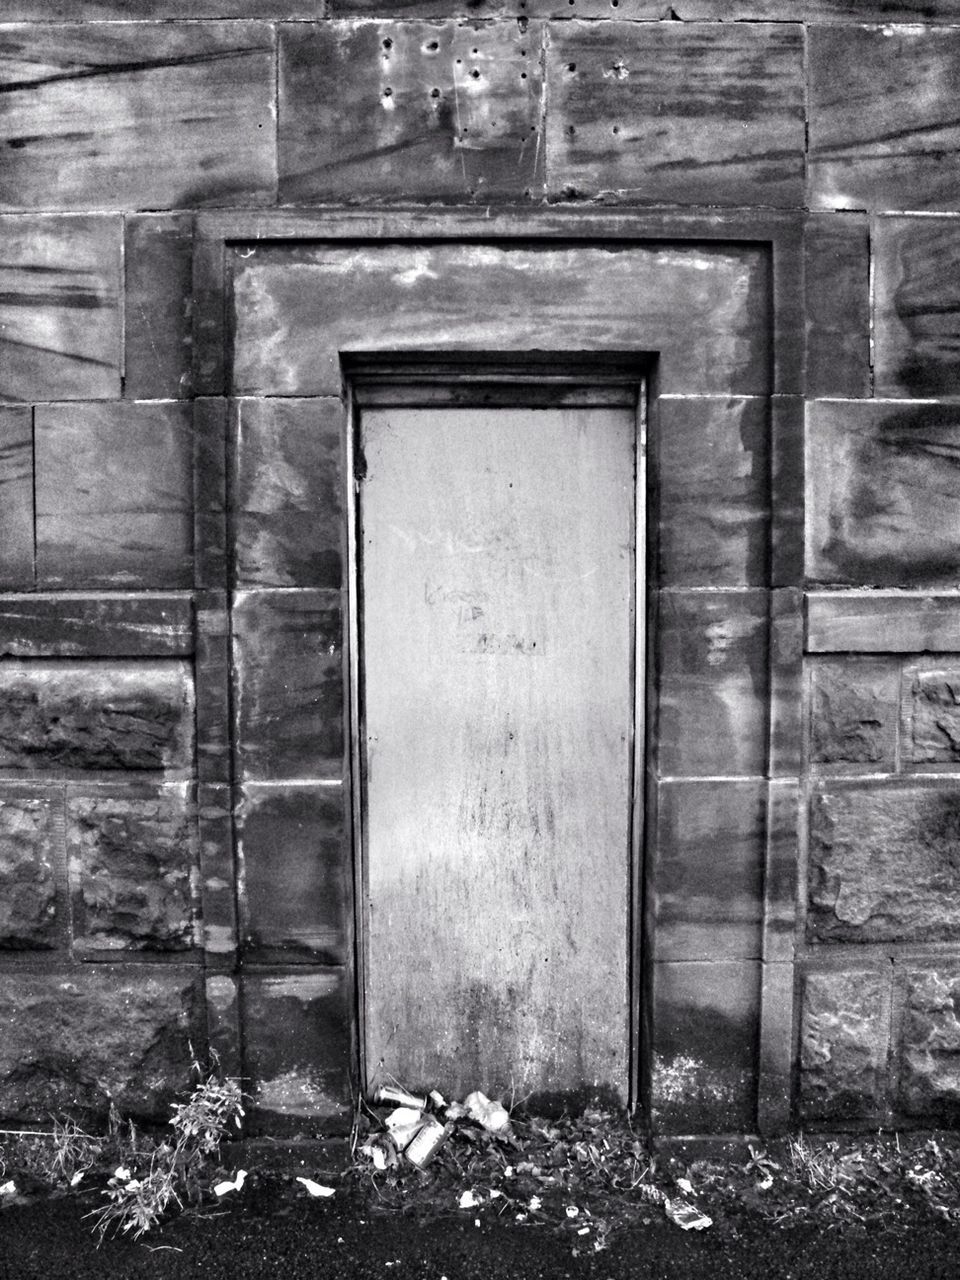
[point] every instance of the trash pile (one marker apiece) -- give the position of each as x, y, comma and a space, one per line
585, 1175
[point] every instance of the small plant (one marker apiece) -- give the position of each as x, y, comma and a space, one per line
151, 1178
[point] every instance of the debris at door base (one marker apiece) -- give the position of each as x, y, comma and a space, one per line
584, 1175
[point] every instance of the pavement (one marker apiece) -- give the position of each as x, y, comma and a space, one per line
274, 1228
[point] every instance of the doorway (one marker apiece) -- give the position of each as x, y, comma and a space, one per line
498, 714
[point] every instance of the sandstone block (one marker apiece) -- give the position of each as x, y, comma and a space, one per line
72, 1041
133, 869
930, 1044
854, 711
158, 263
16, 485
61, 339
934, 717
885, 863
837, 299
74, 715
27, 883
843, 1045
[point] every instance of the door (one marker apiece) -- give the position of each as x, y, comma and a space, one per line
497, 611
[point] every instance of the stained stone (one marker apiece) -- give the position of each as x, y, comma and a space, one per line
73, 1041
884, 863
930, 1044
133, 869
75, 715
843, 1045
853, 712
935, 717
27, 883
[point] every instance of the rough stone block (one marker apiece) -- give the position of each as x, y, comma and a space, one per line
881, 116
410, 109
297, 1041
288, 684
836, 254
107, 626
28, 891
883, 493
158, 337
713, 664
707, 879
167, 115
16, 497
927, 11
114, 499
933, 716
854, 708
57, 715
705, 308
60, 307
930, 1044
705, 1023
674, 112
296, 860
144, 10
844, 1025
885, 863
917, 305
713, 490
71, 1042
288, 521
133, 872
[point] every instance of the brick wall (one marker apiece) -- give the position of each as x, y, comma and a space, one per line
140, 763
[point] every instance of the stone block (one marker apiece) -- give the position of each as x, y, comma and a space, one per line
158, 335
929, 1050
28, 891
836, 254
927, 11
288, 673
73, 1041
297, 869
105, 626
933, 716
60, 307
707, 875
882, 622
883, 493
288, 520
133, 869
917, 305
298, 1055
713, 492
16, 497
167, 115
210, 549
713, 676
844, 1023
398, 110
704, 307
114, 488
704, 1071
144, 10
57, 715
854, 709
881, 116
884, 863
676, 112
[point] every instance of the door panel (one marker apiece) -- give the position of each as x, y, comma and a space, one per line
497, 656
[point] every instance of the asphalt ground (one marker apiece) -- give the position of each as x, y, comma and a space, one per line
273, 1228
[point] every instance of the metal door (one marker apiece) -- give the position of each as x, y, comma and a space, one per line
497, 585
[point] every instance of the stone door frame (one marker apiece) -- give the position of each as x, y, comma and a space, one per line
222, 241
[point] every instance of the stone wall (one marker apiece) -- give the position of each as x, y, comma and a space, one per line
175, 844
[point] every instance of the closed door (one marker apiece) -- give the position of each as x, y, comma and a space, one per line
497, 652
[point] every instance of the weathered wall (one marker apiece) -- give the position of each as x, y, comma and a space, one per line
132, 556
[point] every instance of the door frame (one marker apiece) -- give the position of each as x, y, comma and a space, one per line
507, 380
223, 242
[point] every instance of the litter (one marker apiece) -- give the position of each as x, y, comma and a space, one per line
572, 1211
316, 1189
493, 1116
404, 1124
468, 1201
236, 1184
427, 1141
8, 1188
686, 1216
388, 1093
